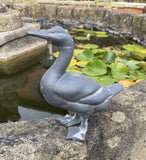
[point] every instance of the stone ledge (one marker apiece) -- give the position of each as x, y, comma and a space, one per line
100, 16
14, 34
92, 3
128, 5
38, 140
28, 51
10, 20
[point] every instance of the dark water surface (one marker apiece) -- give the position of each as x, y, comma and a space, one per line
20, 97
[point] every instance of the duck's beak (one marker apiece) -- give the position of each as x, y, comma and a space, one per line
41, 34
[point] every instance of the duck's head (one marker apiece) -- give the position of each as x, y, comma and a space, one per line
56, 35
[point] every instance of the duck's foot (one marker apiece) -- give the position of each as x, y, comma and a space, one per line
68, 120
76, 133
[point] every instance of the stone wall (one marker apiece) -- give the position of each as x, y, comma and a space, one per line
133, 24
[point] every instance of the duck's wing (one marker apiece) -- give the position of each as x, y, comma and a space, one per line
75, 86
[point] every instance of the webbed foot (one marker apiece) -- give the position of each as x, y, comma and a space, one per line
76, 133
68, 120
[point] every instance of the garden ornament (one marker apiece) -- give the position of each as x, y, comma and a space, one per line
69, 90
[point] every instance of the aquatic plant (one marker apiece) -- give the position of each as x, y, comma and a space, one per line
125, 65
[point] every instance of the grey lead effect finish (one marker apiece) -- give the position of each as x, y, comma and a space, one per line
72, 91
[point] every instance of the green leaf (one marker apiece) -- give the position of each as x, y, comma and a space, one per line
72, 68
85, 56
56, 54
104, 80
101, 36
133, 64
143, 65
118, 53
121, 59
108, 56
138, 74
133, 47
118, 70
78, 30
138, 56
94, 68
101, 33
81, 38
90, 46
98, 51
77, 51
82, 63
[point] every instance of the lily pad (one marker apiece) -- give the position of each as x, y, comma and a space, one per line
56, 54
118, 53
143, 65
89, 31
81, 38
104, 80
133, 47
94, 68
86, 55
72, 68
90, 46
98, 52
138, 74
101, 32
138, 56
78, 51
101, 36
108, 56
133, 64
82, 63
118, 70
121, 59
73, 62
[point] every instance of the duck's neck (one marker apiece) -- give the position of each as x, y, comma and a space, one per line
62, 62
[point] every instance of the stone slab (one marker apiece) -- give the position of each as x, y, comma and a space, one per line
123, 125
38, 140
64, 13
10, 20
51, 12
22, 53
11, 35
2, 7
79, 15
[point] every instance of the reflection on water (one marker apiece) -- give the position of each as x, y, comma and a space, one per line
20, 97
29, 114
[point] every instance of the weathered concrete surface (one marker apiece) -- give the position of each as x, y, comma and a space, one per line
10, 20
123, 134
22, 53
38, 140
2, 7
14, 34
133, 24
64, 13
124, 125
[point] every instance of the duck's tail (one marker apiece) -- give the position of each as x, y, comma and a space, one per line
115, 88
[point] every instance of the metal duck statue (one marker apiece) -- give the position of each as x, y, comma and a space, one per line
72, 91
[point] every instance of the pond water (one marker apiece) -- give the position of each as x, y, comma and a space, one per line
20, 97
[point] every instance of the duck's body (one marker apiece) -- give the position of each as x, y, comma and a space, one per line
72, 91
